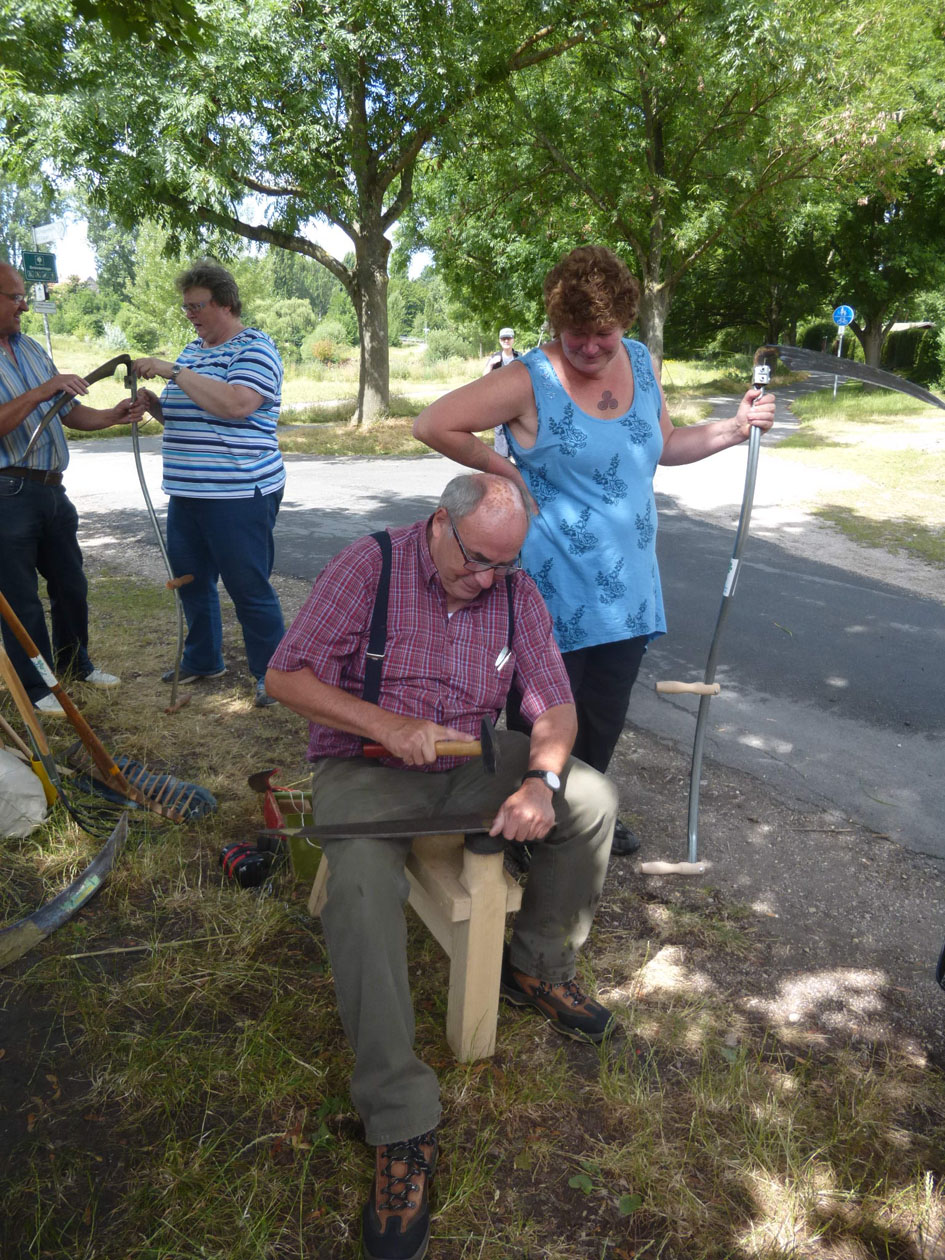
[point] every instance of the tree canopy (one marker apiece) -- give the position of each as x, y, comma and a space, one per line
292, 113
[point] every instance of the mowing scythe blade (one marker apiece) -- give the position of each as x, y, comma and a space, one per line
16, 939
800, 360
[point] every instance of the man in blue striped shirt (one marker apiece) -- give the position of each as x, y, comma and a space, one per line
223, 472
38, 524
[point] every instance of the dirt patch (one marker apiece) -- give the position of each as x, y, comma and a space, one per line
842, 927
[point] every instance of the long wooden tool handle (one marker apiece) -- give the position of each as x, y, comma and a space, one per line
444, 748
11, 734
23, 703
670, 688
113, 776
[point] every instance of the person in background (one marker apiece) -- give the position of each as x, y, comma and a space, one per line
38, 524
223, 472
505, 354
461, 618
587, 425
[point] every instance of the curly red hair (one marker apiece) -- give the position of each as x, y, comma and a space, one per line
591, 288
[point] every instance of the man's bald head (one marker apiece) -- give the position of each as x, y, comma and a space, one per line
497, 498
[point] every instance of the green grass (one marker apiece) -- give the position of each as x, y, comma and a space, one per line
892, 450
174, 1074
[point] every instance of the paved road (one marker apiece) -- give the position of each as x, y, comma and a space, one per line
832, 682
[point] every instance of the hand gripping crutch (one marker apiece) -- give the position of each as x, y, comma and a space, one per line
761, 376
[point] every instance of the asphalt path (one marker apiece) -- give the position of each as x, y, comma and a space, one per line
831, 681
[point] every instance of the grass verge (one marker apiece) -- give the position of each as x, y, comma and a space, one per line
174, 1076
889, 451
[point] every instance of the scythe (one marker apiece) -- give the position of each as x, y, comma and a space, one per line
796, 359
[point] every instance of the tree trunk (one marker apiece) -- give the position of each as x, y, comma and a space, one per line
369, 296
655, 301
871, 336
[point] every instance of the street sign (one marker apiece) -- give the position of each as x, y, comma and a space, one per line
46, 234
43, 308
39, 268
843, 315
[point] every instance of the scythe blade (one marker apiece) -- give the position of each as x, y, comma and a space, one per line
800, 360
16, 939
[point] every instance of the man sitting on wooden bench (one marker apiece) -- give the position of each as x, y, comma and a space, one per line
421, 662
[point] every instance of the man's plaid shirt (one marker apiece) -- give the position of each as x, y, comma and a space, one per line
438, 667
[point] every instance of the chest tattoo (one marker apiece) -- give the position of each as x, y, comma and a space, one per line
608, 402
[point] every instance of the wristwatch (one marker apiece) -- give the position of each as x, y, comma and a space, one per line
175, 372
548, 777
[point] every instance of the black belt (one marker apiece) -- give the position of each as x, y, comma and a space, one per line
34, 474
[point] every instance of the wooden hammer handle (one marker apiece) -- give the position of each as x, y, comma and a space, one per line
444, 748
669, 688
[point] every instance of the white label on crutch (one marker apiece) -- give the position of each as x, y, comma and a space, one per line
732, 577
48, 677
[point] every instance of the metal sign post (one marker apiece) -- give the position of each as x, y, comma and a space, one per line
842, 316
40, 269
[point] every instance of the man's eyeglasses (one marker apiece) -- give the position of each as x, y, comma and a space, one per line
482, 566
17, 297
191, 308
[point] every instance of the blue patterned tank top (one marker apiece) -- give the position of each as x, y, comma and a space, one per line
592, 549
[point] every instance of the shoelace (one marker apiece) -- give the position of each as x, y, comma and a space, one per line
411, 1154
569, 989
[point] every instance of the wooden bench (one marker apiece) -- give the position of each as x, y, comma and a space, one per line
463, 899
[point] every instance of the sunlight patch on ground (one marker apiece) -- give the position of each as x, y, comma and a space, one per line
667, 972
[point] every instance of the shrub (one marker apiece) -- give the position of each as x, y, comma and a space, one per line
443, 343
141, 333
323, 350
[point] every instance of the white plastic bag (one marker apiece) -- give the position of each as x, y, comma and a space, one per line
22, 799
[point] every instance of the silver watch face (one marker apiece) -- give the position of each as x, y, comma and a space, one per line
548, 777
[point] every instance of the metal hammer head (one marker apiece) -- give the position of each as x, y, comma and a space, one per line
490, 749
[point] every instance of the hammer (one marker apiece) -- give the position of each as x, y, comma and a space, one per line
485, 747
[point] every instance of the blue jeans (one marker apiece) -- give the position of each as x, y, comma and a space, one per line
228, 539
38, 528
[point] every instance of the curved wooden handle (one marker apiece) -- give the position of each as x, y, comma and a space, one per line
444, 748
669, 688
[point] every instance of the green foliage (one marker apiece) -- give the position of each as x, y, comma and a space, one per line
444, 343
319, 112
23, 205
140, 331
287, 321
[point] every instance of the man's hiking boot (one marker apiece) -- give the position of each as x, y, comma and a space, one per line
569, 1011
395, 1223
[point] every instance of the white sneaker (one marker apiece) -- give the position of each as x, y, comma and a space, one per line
98, 678
49, 706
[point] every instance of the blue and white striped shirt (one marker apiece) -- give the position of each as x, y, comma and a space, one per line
33, 367
209, 457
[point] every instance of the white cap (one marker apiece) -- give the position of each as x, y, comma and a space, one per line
506, 332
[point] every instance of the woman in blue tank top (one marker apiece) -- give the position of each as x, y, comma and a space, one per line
587, 425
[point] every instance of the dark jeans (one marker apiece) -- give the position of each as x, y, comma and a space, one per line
38, 527
602, 678
228, 539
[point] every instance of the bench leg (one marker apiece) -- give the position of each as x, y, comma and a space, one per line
476, 960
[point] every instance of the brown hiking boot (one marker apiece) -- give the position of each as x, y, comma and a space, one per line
569, 1010
395, 1223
